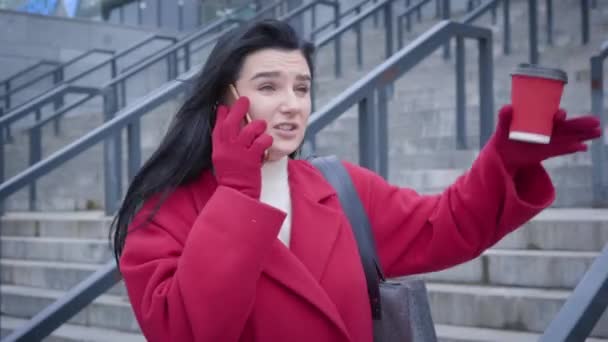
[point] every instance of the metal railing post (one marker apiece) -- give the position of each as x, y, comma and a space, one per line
313, 19
438, 9
597, 145
139, 14
533, 30
7, 96
180, 15
461, 126
382, 132
159, 15
375, 15
35, 156
2, 138
134, 148
187, 57
584, 307
388, 24
367, 132
58, 78
585, 23
506, 43
549, 5
337, 41
400, 32
445, 6
486, 90
359, 41
337, 61
111, 156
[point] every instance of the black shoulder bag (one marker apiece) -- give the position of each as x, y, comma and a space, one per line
400, 308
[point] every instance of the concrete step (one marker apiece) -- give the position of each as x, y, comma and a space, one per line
574, 176
73, 332
50, 275
91, 251
565, 229
497, 307
84, 224
452, 333
107, 311
522, 268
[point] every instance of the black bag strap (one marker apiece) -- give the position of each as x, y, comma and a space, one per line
336, 174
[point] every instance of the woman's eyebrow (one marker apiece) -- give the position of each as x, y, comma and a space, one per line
276, 74
266, 74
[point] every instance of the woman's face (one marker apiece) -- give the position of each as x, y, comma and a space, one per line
277, 83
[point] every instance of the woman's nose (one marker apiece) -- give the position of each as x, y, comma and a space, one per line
290, 102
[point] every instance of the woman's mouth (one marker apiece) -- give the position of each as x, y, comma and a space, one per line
286, 130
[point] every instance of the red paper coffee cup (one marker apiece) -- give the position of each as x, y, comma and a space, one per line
535, 95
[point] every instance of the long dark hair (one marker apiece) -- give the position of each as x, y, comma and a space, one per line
185, 151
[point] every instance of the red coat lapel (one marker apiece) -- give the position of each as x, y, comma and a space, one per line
315, 229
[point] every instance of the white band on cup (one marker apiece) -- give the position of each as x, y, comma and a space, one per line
530, 137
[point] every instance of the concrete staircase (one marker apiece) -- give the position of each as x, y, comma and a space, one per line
508, 294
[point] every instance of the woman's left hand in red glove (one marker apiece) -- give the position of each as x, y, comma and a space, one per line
568, 137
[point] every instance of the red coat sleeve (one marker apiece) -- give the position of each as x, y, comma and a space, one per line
192, 276
418, 234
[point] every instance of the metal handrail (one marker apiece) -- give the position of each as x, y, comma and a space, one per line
26, 70
584, 307
406, 15
355, 23
31, 106
356, 8
373, 143
598, 149
60, 311
59, 68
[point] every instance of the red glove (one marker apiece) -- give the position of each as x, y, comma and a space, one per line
238, 152
567, 137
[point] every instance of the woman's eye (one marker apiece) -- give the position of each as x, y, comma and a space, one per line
267, 87
302, 90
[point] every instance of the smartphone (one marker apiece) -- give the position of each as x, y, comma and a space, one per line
234, 94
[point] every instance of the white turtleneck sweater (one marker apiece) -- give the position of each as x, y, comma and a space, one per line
275, 192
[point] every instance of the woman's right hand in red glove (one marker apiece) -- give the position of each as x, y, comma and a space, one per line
238, 152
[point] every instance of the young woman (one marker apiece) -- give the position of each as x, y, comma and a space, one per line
225, 236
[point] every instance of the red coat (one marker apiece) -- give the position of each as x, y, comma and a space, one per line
210, 267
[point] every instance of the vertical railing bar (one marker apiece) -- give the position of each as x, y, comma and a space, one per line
486, 90
585, 21
461, 132
35, 155
506, 27
134, 148
400, 32
367, 132
388, 24
533, 30
159, 18
359, 37
381, 150
337, 40
600, 185
58, 78
549, 5
446, 15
